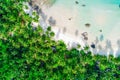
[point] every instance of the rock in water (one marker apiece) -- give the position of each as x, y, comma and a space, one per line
76, 2
83, 5
87, 25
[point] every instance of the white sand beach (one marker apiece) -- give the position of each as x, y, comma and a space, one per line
70, 23
66, 27
65, 19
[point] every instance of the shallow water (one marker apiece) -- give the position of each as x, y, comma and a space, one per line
101, 14
103, 17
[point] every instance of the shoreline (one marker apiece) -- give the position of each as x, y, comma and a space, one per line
62, 20
65, 19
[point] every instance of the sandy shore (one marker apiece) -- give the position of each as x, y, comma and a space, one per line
66, 29
64, 24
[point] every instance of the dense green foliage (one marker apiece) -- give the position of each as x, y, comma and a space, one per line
28, 53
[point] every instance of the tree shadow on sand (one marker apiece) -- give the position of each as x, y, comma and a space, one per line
98, 49
118, 50
58, 33
64, 30
94, 45
51, 21
102, 50
76, 33
109, 47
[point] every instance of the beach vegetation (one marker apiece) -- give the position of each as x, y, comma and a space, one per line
28, 53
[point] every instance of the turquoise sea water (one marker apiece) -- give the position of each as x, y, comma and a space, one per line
101, 14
